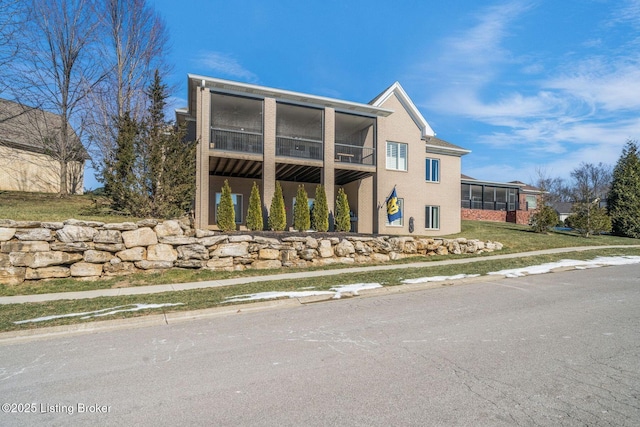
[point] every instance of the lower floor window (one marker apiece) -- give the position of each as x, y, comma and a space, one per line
400, 221
432, 217
237, 205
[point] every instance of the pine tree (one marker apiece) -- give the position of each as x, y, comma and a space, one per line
277, 213
624, 196
226, 216
254, 214
171, 160
153, 169
301, 214
320, 210
343, 219
545, 218
119, 175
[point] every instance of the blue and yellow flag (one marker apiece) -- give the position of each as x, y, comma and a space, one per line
393, 208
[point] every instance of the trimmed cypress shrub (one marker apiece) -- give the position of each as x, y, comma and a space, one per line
301, 214
226, 215
254, 214
343, 219
320, 210
277, 213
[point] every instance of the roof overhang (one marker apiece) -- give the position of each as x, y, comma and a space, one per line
246, 89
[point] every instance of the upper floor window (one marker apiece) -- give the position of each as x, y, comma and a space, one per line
432, 170
396, 156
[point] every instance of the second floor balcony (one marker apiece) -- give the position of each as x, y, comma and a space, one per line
234, 140
354, 154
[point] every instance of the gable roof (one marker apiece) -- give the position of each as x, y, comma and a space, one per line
24, 128
397, 90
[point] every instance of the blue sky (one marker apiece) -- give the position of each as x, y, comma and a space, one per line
523, 84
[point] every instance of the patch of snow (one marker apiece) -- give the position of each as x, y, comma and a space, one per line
98, 313
274, 295
438, 278
336, 291
353, 288
568, 263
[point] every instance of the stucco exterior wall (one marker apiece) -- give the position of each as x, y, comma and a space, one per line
34, 172
411, 185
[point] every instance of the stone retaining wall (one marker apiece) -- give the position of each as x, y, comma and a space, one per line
31, 250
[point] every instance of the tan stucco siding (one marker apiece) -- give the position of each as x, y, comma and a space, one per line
411, 185
34, 172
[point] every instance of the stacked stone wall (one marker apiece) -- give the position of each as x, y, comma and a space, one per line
33, 250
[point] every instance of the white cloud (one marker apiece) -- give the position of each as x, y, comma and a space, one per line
225, 64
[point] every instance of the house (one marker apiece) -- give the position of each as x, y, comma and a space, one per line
28, 136
249, 133
512, 201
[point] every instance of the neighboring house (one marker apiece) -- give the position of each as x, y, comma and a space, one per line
28, 136
512, 201
563, 209
250, 133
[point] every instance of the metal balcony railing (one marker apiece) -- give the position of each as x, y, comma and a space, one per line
232, 140
298, 147
346, 153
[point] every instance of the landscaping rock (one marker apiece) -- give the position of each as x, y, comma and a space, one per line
266, 264
133, 254
34, 234
168, 228
161, 252
46, 259
119, 269
71, 247
231, 250
153, 265
75, 233
85, 269
220, 263
6, 233
12, 275
7, 247
268, 254
97, 257
140, 237
47, 273
120, 226
193, 252
108, 236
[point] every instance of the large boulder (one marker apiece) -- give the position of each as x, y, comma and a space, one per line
139, 237
161, 252
231, 250
76, 233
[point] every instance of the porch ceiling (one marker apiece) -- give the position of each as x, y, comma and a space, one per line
298, 173
345, 176
238, 168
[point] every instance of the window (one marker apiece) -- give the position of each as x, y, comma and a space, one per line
237, 205
432, 170
400, 221
310, 202
532, 202
432, 217
396, 156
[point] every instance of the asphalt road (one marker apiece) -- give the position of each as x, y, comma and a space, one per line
554, 349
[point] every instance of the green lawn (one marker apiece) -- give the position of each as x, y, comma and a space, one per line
21, 206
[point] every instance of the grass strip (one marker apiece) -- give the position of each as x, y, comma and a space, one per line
215, 297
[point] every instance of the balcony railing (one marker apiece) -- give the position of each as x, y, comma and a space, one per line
298, 147
232, 140
488, 206
355, 154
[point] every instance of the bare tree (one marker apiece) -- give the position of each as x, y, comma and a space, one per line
134, 40
59, 67
590, 182
10, 20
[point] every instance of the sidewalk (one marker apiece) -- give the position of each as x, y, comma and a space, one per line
153, 289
